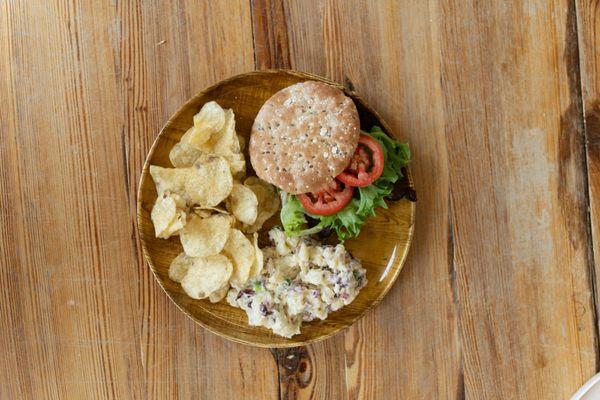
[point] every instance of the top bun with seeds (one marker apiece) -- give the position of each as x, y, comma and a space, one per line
304, 136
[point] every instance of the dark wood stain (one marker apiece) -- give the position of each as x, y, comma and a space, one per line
592, 128
271, 46
572, 152
460, 386
295, 370
571, 142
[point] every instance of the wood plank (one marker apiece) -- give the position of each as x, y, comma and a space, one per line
516, 151
588, 22
270, 34
86, 87
315, 371
389, 52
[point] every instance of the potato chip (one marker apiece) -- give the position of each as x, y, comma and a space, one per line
209, 181
206, 275
205, 237
167, 215
208, 121
243, 204
237, 165
168, 179
179, 201
226, 141
210, 117
259, 259
219, 295
268, 202
179, 267
242, 143
203, 212
211, 210
183, 155
239, 249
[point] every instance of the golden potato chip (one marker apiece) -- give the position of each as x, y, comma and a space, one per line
202, 211
183, 155
208, 121
202, 237
206, 275
179, 201
219, 295
168, 179
268, 202
205, 212
242, 143
179, 267
211, 117
209, 181
226, 141
259, 259
167, 215
239, 250
237, 165
243, 204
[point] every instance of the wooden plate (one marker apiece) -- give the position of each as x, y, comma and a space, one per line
382, 245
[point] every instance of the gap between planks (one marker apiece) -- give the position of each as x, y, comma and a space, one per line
585, 167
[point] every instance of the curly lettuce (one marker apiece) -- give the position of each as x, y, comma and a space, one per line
348, 222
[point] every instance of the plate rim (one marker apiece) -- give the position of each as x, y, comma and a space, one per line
139, 210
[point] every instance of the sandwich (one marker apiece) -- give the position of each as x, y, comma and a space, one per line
307, 141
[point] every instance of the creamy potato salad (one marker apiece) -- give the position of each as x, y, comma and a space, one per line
301, 280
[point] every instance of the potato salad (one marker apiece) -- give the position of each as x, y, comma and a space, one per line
301, 280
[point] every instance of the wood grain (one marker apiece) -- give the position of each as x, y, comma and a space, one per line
85, 87
271, 48
271, 38
413, 331
588, 12
515, 150
495, 300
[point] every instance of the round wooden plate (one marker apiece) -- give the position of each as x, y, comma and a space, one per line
382, 245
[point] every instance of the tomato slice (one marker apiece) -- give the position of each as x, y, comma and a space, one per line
366, 164
329, 201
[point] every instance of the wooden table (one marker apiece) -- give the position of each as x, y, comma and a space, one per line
499, 99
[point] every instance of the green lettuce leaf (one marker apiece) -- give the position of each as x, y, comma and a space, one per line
348, 222
293, 217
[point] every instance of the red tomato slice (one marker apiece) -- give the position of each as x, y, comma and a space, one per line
328, 201
366, 164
